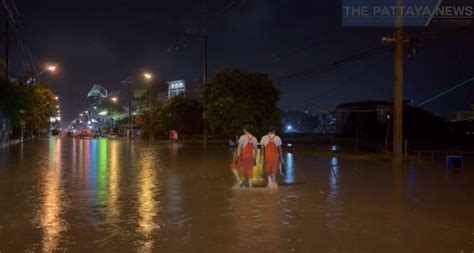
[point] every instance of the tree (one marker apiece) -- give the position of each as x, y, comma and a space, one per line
15, 100
43, 103
234, 98
29, 106
182, 114
152, 122
179, 113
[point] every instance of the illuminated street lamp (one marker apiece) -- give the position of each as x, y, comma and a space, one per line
56, 97
31, 76
129, 81
80, 114
114, 99
147, 76
51, 68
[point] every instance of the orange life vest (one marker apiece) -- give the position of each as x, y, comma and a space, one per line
271, 150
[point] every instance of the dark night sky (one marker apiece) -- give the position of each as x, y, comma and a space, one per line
102, 42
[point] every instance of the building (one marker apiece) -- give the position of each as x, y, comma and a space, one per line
176, 88
190, 89
372, 119
95, 95
344, 113
461, 115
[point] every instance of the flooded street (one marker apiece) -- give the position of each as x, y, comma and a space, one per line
119, 196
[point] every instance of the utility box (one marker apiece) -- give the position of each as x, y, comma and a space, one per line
454, 162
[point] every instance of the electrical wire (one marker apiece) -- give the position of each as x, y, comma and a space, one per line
345, 82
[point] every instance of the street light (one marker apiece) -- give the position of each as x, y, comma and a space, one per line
56, 98
147, 76
129, 81
31, 76
51, 68
114, 99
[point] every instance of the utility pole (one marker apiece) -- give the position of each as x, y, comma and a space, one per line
204, 116
398, 92
398, 40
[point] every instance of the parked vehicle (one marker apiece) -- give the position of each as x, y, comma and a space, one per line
55, 132
113, 136
87, 134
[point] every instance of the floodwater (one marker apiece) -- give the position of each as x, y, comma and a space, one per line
120, 196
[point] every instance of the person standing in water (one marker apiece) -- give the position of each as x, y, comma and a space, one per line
246, 153
272, 156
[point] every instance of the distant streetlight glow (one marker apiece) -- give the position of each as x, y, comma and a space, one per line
114, 99
148, 76
56, 97
80, 114
51, 68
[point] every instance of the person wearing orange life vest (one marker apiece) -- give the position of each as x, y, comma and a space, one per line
272, 156
246, 153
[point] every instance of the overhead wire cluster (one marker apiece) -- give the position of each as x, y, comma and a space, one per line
14, 16
310, 73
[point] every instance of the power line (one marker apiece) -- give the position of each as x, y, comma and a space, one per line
9, 12
335, 64
15, 17
343, 83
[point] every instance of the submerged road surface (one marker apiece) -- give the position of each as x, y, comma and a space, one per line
119, 196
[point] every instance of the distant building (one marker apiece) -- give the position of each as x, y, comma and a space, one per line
96, 94
372, 119
461, 115
344, 113
191, 89
176, 88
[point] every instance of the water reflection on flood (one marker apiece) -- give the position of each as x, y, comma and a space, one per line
52, 201
334, 211
259, 213
290, 169
148, 206
125, 196
113, 209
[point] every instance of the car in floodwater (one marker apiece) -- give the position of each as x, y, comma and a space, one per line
113, 136
87, 134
